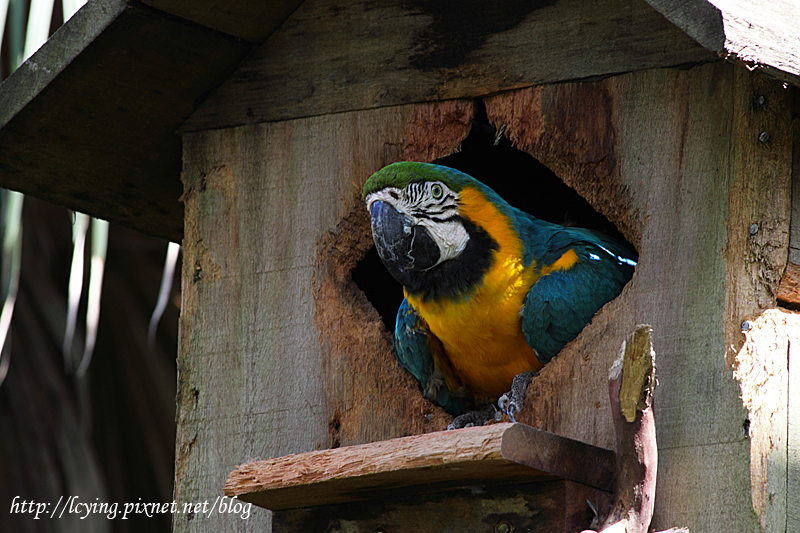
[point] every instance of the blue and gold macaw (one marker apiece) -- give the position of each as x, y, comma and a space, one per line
490, 291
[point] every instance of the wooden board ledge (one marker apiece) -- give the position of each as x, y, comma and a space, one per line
489, 455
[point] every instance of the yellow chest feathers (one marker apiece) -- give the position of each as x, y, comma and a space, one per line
482, 333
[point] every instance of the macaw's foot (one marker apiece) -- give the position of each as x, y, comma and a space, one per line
511, 402
476, 418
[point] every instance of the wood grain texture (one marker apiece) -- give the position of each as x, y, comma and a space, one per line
329, 57
794, 229
762, 35
280, 352
663, 154
559, 456
489, 455
765, 36
402, 466
789, 288
631, 383
762, 368
759, 219
700, 19
793, 440
89, 124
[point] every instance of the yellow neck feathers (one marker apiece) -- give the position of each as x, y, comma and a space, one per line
482, 333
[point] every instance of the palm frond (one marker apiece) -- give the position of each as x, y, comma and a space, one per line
39, 18
164, 291
9, 276
99, 248
79, 228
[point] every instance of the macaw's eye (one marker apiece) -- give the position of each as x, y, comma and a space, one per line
436, 191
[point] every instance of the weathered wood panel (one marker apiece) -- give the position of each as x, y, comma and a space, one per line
664, 154
330, 57
793, 439
789, 288
499, 454
281, 353
763, 369
756, 256
274, 224
398, 467
764, 36
89, 120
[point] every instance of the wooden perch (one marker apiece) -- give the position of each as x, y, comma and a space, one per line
630, 385
496, 454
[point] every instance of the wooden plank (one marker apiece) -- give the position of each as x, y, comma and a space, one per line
794, 229
280, 352
545, 506
496, 454
89, 124
793, 439
655, 152
402, 466
789, 288
764, 368
560, 456
793, 422
762, 35
760, 205
245, 19
330, 57
700, 19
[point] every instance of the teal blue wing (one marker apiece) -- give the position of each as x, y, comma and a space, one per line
560, 304
421, 353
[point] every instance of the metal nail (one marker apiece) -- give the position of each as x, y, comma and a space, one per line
503, 526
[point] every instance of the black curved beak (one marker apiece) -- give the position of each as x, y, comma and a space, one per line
402, 246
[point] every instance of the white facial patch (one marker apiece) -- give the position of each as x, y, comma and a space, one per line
436, 214
450, 236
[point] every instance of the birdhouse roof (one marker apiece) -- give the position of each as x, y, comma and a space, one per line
92, 121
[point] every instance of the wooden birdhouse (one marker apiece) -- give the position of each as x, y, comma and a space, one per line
246, 132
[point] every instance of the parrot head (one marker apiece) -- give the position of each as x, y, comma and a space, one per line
416, 225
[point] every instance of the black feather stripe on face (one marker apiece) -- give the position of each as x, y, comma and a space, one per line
456, 278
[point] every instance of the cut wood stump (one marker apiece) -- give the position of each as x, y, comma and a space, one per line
631, 382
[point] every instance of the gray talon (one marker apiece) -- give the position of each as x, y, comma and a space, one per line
511, 402
512, 408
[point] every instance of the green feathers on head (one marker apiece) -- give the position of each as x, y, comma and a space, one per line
399, 175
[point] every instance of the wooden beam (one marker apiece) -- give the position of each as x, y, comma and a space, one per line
89, 120
332, 56
789, 288
700, 19
421, 463
245, 19
763, 35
